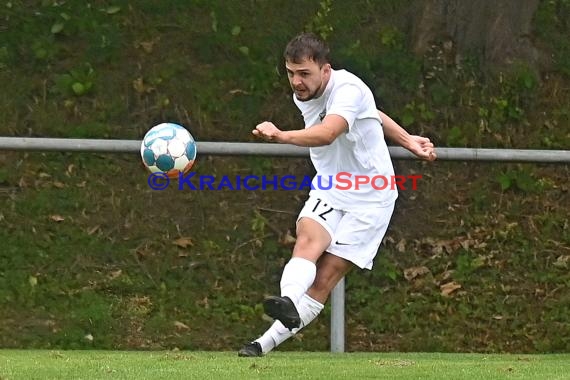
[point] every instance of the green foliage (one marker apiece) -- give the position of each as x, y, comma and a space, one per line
392, 38
258, 224
400, 68
551, 24
416, 113
260, 166
521, 180
58, 28
45, 48
466, 265
516, 92
78, 82
320, 24
456, 136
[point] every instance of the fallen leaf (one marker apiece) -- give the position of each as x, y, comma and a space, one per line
181, 326
450, 287
148, 46
238, 91
183, 242
114, 274
111, 10
92, 230
411, 273
401, 246
57, 218
562, 262
288, 239
141, 87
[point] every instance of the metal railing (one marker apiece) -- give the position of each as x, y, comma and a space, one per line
266, 149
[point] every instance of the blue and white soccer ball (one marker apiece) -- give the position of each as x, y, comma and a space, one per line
168, 148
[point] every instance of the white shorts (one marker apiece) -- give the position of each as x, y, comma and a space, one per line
355, 235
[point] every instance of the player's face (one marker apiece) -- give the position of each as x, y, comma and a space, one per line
308, 79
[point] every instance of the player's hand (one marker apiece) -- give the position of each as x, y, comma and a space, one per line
267, 131
423, 148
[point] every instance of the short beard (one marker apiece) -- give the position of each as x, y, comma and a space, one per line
310, 96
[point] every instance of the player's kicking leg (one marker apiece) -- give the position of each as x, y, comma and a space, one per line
299, 273
330, 269
294, 308
358, 235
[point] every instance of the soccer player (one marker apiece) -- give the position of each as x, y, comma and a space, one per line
336, 229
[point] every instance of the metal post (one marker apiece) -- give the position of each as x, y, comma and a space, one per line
337, 317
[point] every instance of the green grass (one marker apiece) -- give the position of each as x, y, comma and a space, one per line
30, 364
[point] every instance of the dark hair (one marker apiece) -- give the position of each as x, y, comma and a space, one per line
307, 46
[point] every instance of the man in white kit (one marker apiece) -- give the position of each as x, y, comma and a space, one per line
336, 229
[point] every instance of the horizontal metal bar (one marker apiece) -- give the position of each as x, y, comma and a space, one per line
269, 149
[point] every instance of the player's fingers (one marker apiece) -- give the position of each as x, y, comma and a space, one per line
259, 128
425, 143
265, 124
421, 153
427, 154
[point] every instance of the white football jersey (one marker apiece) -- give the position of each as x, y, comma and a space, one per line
361, 151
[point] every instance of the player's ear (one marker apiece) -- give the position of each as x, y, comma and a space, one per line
326, 69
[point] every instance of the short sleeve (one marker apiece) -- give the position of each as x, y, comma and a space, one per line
346, 101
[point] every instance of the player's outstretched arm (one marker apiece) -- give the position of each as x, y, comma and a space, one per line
317, 135
420, 146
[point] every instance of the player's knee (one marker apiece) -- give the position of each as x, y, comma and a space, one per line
305, 242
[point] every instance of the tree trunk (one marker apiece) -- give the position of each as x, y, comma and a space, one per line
497, 31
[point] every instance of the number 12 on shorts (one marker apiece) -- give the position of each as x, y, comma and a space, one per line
322, 209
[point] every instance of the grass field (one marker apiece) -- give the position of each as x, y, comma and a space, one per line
37, 364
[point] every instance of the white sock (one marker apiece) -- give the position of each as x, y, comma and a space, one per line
308, 309
298, 275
